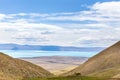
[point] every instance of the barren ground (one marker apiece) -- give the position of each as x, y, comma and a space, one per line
57, 64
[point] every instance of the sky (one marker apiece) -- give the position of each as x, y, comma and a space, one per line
81, 23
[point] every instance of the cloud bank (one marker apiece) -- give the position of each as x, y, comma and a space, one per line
98, 26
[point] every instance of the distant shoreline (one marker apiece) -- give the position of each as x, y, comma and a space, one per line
51, 57
36, 53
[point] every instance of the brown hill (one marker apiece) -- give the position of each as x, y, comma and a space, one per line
15, 69
105, 64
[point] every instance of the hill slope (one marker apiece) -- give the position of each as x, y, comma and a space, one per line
15, 69
67, 78
105, 64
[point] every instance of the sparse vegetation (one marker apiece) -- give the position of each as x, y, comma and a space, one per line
77, 74
67, 78
108, 67
15, 69
105, 64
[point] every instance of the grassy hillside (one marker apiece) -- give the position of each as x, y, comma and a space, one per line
15, 69
105, 64
67, 78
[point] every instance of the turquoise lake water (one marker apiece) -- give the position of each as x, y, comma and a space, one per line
35, 53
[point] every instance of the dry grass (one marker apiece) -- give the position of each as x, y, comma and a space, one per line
59, 72
105, 63
16, 69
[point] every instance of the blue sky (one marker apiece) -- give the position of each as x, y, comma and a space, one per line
45, 6
63, 22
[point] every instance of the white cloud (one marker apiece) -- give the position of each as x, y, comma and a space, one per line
108, 7
2, 16
105, 11
26, 33
98, 26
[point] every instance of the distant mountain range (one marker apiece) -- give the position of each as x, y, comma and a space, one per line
47, 48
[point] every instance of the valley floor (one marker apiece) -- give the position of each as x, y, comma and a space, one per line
57, 64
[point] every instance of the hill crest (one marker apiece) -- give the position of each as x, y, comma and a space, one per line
104, 64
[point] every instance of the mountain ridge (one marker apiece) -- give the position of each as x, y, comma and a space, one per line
105, 64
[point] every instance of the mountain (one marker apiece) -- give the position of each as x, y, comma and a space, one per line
15, 69
105, 64
47, 48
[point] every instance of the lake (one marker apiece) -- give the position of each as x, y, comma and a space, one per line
37, 53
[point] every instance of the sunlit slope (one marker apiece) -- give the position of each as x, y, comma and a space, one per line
15, 69
104, 64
